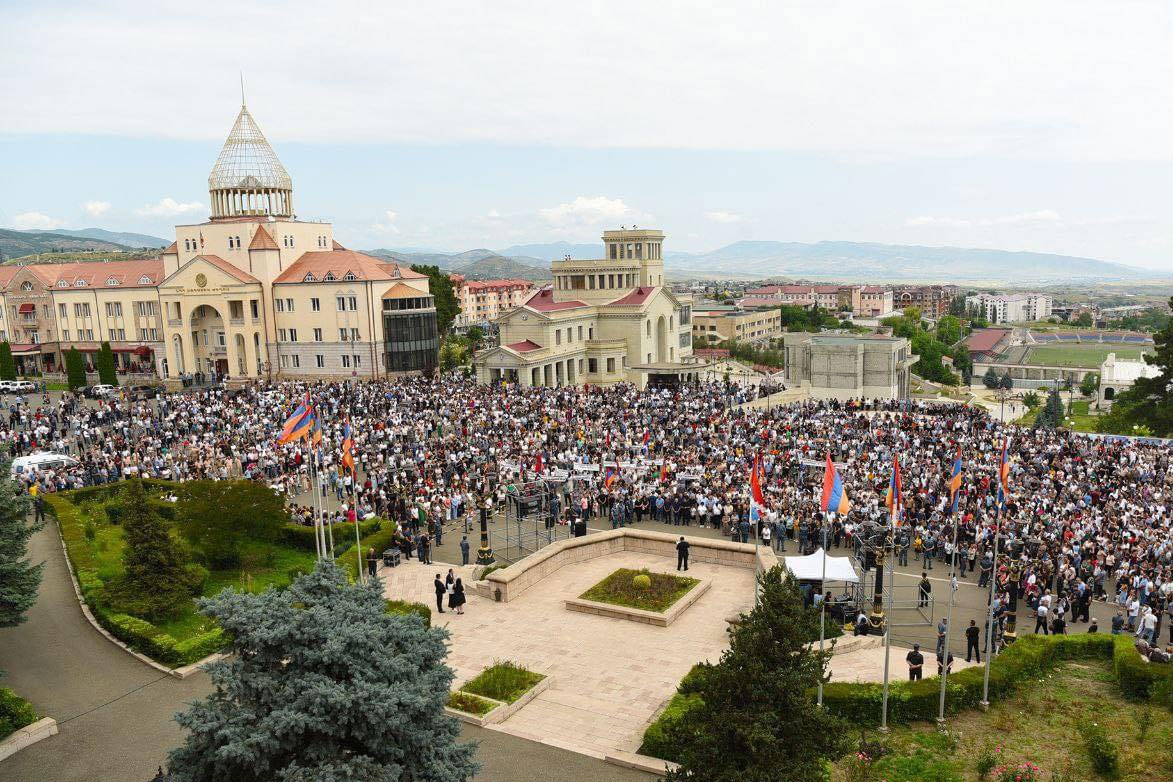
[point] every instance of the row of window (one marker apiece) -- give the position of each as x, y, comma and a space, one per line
580, 282
329, 277
344, 335
634, 250
346, 362
344, 304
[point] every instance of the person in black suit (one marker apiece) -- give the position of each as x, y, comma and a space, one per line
972, 634
682, 554
441, 588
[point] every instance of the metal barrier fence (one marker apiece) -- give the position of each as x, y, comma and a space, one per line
909, 607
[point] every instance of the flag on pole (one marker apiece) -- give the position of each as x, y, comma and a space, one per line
538, 464
664, 472
348, 449
611, 475
757, 501
299, 424
1004, 473
834, 496
955, 482
647, 436
895, 498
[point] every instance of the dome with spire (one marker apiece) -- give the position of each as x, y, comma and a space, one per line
248, 178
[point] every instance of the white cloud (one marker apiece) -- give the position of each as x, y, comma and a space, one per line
35, 221
387, 227
391, 216
96, 208
586, 210
1042, 216
169, 207
721, 216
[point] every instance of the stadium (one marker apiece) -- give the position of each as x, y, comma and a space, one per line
1035, 359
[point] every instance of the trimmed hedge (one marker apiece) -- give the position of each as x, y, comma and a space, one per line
301, 537
380, 541
15, 712
1138, 680
409, 609
655, 743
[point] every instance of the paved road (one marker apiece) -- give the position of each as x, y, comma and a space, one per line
115, 713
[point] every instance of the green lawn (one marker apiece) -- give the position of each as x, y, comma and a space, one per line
470, 704
619, 589
1081, 416
1039, 723
503, 681
1088, 356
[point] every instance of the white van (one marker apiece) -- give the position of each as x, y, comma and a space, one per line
41, 461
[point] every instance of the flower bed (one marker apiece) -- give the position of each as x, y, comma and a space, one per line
503, 681
470, 704
660, 592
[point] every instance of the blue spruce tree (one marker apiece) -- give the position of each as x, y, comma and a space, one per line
323, 685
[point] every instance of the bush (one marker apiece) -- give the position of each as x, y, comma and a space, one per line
409, 609
1139, 680
656, 743
15, 712
380, 541
1102, 752
470, 704
642, 581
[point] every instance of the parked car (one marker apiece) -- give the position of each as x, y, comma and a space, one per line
22, 386
140, 393
101, 391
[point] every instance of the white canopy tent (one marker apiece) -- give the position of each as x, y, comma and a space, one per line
810, 568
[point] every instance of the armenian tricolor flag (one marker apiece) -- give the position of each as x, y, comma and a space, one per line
299, 424
834, 496
1004, 473
895, 498
757, 501
538, 464
348, 449
955, 482
611, 474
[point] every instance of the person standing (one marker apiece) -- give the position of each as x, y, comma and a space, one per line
372, 562
682, 554
464, 549
916, 663
456, 597
1041, 618
924, 589
440, 588
972, 634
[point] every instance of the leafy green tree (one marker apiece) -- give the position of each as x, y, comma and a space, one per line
756, 719
444, 294
1149, 402
1006, 382
7, 363
1090, 384
1084, 320
1051, 416
1031, 400
990, 379
949, 329
106, 371
476, 335
323, 686
19, 579
220, 517
453, 353
75, 369
154, 585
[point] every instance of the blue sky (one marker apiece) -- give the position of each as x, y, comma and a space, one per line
461, 124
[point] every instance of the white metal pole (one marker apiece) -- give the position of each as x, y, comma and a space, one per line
888, 620
823, 601
314, 506
948, 622
990, 614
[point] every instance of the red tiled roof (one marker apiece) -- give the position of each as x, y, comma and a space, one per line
224, 266
765, 290
711, 352
362, 266
757, 301
826, 288
874, 289
95, 274
401, 290
985, 339
172, 249
524, 346
636, 298
478, 285
335, 245
262, 240
543, 301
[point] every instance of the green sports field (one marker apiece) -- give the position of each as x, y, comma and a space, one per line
1087, 356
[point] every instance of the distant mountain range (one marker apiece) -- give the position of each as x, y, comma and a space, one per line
867, 261
477, 264
117, 237
14, 244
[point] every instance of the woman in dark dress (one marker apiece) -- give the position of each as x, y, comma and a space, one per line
456, 597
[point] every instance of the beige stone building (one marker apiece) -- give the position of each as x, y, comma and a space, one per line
602, 321
483, 301
848, 367
251, 292
720, 324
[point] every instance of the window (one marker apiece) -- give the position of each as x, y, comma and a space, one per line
346, 361
296, 361
342, 334
349, 277
317, 335
309, 277
357, 361
341, 301
293, 335
118, 334
285, 362
289, 305
354, 335
557, 336
320, 360
330, 277
253, 306
27, 286
64, 335
592, 365
90, 335
60, 284
279, 305
112, 281
154, 334
145, 308
144, 280
81, 310
281, 335
79, 283
614, 251
580, 333
220, 339
610, 365
316, 305
61, 309
113, 309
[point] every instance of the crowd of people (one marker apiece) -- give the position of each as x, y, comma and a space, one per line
1086, 517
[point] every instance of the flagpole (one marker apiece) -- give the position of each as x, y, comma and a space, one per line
985, 702
315, 504
823, 601
888, 617
948, 621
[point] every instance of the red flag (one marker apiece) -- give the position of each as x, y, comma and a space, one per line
538, 464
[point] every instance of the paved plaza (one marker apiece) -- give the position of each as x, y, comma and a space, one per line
610, 676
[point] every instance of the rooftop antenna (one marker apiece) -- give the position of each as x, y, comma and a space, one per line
242, 88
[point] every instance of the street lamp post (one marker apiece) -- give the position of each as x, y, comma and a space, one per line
485, 553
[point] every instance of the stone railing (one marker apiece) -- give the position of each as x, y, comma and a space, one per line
506, 584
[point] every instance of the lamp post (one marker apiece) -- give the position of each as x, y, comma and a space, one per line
485, 553
1013, 581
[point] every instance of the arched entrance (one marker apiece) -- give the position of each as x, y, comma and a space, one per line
661, 339
208, 341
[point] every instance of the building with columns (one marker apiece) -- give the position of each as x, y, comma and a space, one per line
251, 292
602, 321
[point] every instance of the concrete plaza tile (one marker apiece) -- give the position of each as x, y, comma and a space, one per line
610, 676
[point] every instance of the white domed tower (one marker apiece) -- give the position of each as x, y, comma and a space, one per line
248, 180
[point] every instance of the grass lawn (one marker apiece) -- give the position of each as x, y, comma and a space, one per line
1039, 723
470, 703
1082, 418
1080, 355
503, 681
618, 589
